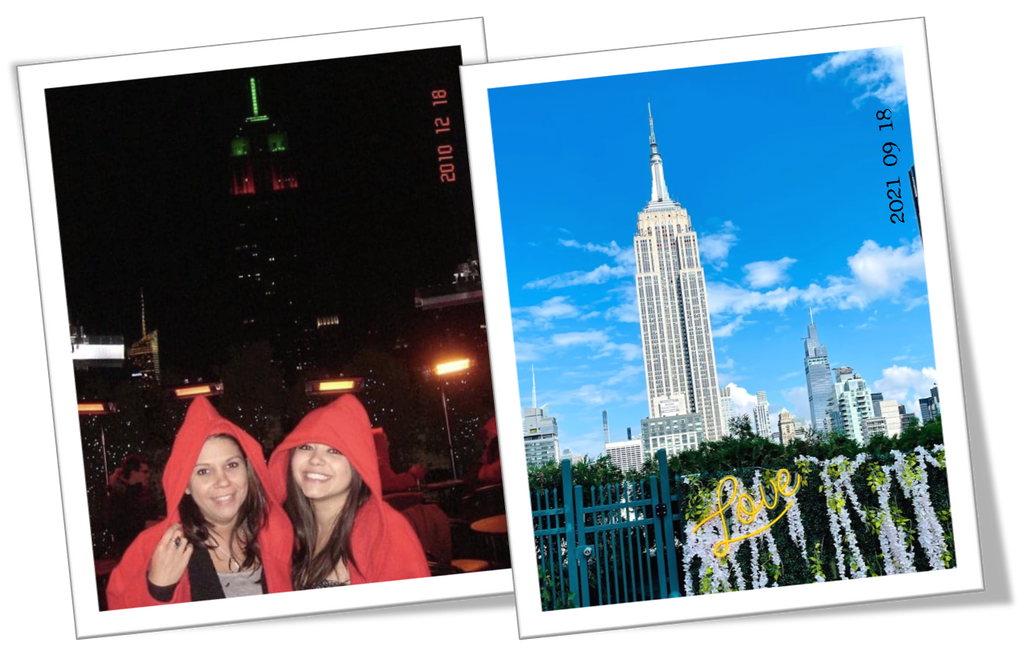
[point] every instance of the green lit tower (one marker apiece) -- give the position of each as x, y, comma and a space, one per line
264, 187
261, 162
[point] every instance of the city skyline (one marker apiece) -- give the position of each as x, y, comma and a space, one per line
144, 173
779, 164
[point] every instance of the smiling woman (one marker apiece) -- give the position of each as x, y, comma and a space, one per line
223, 535
344, 531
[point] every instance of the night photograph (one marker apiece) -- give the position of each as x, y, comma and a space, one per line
271, 239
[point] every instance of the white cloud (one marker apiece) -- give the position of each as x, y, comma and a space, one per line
915, 302
580, 338
623, 256
626, 310
714, 248
625, 265
597, 341
629, 351
796, 400
725, 299
527, 351
879, 272
729, 329
743, 402
878, 72
601, 274
906, 385
767, 273
557, 307
625, 373
591, 394
875, 272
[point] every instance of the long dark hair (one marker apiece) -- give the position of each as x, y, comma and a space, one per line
309, 568
252, 515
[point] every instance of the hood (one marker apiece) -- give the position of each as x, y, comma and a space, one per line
384, 546
201, 421
342, 424
127, 586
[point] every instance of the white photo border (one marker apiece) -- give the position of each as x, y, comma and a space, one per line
477, 80
34, 80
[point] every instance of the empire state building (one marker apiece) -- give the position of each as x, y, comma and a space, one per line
679, 356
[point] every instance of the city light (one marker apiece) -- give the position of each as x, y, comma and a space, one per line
334, 386
95, 408
207, 389
452, 367
447, 368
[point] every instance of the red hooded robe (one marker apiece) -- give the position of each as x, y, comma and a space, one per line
128, 587
384, 545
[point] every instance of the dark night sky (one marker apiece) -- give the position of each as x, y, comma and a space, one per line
514, 34
142, 178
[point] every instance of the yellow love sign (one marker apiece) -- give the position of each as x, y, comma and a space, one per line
746, 510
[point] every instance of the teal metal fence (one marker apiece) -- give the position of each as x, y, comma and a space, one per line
606, 545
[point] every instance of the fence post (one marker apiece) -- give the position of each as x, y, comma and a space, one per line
659, 534
670, 535
570, 531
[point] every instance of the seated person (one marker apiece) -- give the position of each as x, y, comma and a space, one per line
391, 481
488, 469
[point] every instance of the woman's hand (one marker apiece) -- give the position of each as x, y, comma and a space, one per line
171, 558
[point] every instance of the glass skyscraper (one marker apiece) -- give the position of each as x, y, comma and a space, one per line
820, 388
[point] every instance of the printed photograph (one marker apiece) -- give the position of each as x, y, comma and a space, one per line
277, 332
722, 329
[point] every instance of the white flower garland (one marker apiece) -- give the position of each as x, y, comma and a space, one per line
839, 516
929, 531
897, 558
716, 574
796, 527
766, 539
700, 545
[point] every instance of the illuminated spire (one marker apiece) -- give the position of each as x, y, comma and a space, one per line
659, 191
142, 297
534, 376
254, 94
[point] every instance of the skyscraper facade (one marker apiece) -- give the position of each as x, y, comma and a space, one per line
761, 421
673, 434
820, 389
890, 412
725, 404
263, 189
679, 356
852, 408
787, 427
929, 406
144, 353
626, 455
540, 432
540, 435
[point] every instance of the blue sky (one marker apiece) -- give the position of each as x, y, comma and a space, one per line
780, 166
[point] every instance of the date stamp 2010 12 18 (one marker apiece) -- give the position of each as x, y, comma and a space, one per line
442, 125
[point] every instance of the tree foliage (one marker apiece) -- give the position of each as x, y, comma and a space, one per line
739, 450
